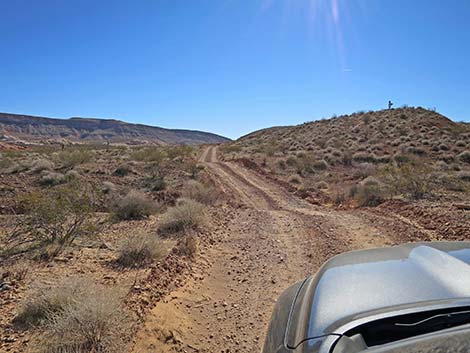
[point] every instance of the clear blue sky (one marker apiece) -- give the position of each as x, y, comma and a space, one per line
232, 66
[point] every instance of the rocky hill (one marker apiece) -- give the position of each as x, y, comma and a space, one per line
366, 136
15, 127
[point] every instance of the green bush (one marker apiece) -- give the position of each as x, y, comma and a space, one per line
56, 216
70, 159
150, 154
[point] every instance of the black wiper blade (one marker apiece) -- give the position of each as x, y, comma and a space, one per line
447, 317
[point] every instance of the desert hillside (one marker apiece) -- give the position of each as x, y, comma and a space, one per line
375, 136
14, 128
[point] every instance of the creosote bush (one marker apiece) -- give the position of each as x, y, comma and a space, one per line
369, 195
464, 157
56, 216
141, 249
73, 158
186, 214
135, 205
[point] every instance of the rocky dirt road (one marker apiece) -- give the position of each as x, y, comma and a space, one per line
269, 240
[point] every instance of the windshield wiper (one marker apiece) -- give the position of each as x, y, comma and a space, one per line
453, 318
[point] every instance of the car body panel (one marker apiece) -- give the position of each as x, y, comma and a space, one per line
361, 286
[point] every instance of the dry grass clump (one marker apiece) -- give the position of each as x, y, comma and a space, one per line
320, 165
135, 205
49, 178
186, 214
294, 179
141, 249
80, 316
40, 165
46, 299
108, 187
199, 192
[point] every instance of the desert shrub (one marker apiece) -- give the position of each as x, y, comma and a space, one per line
400, 158
464, 175
412, 178
71, 175
44, 299
56, 216
122, 170
461, 143
464, 157
282, 164
443, 147
135, 205
192, 168
179, 151
150, 154
71, 159
155, 183
230, 148
364, 170
369, 195
320, 165
186, 214
322, 185
294, 179
291, 161
5, 163
140, 249
416, 150
346, 158
199, 192
92, 320
383, 159
108, 187
52, 178
40, 165
364, 157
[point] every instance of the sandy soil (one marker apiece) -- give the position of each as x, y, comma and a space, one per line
270, 239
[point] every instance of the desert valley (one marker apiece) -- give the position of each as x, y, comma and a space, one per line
118, 237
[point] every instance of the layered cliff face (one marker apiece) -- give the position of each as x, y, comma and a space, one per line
32, 128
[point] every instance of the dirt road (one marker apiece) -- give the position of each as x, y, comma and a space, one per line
270, 241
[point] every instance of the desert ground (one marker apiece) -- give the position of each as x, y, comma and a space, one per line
194, 245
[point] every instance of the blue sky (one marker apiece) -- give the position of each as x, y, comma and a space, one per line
232, 66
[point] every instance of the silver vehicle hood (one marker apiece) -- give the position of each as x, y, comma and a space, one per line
368, 283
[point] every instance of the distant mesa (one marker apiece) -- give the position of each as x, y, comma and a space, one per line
23, 129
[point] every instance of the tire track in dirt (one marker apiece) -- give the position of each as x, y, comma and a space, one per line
276, 240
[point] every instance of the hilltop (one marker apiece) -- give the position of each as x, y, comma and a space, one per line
14, 128
366, 135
